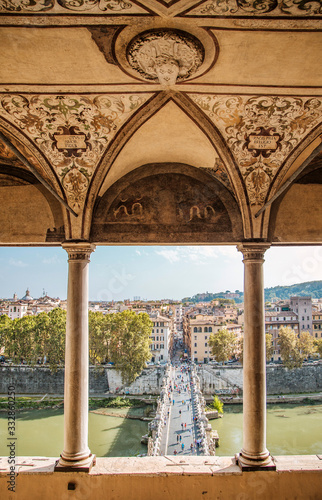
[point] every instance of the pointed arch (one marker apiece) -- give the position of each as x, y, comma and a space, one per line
40, 163
142, 116
291, 166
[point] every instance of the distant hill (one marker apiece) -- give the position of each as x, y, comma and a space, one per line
312, 288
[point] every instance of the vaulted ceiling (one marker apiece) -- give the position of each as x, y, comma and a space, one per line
152, 121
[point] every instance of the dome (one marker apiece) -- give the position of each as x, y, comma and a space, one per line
27, 296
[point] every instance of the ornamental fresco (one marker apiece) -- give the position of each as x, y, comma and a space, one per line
251, 8
70, 6
73, 132
261, 131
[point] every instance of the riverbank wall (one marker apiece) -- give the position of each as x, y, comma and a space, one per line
227, 380
102, 380
224, 380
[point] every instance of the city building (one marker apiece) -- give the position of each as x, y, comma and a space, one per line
17, 310
274, 320
200, 328
161, 338
303, 308
317, 324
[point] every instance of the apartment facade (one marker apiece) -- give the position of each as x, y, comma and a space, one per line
161, 338
200, 329
303, 308
273, 322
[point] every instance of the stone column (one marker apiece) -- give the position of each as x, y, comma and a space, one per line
76, 454
254, 453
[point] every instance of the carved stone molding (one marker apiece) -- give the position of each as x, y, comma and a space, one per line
79, 251
253, 252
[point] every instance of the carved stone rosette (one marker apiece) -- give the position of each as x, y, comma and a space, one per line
79, 251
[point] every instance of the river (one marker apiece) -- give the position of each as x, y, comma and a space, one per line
291, 430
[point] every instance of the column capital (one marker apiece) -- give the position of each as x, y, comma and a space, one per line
79, 250
253, 252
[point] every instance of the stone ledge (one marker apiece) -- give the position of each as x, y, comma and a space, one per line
164, 466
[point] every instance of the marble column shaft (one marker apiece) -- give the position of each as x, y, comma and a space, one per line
76, 448
254, 452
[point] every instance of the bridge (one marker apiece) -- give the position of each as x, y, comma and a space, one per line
180, 425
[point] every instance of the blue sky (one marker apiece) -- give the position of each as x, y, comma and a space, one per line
151, 272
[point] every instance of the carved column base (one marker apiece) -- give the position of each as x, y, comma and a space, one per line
247, 463
84, 465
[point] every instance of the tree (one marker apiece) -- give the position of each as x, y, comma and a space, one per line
318, 346
240, 347
222, 344
130, 343
5, 323
306, 344
269, 346
54, 346
217, 404
99, 336
21, 343
289, 347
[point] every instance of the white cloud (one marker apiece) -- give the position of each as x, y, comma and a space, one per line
52, 260
172, 255
198, 255
17, 263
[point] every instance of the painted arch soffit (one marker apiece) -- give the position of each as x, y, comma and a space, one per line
206, 8
29, 150
261, 132
255, 8
72, 132
72, 7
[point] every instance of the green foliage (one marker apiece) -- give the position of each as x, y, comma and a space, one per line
222, 344
289, 347
306, 344
55, 338
99, 326
294, 349
240, 349
33, 337
123, 338
312, 288
318, 346
27, 403
118, 402
217, 404
269, 346
130, 343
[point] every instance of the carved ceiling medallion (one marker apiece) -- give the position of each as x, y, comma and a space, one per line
165, 56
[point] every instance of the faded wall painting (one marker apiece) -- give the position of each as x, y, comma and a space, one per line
166, 205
